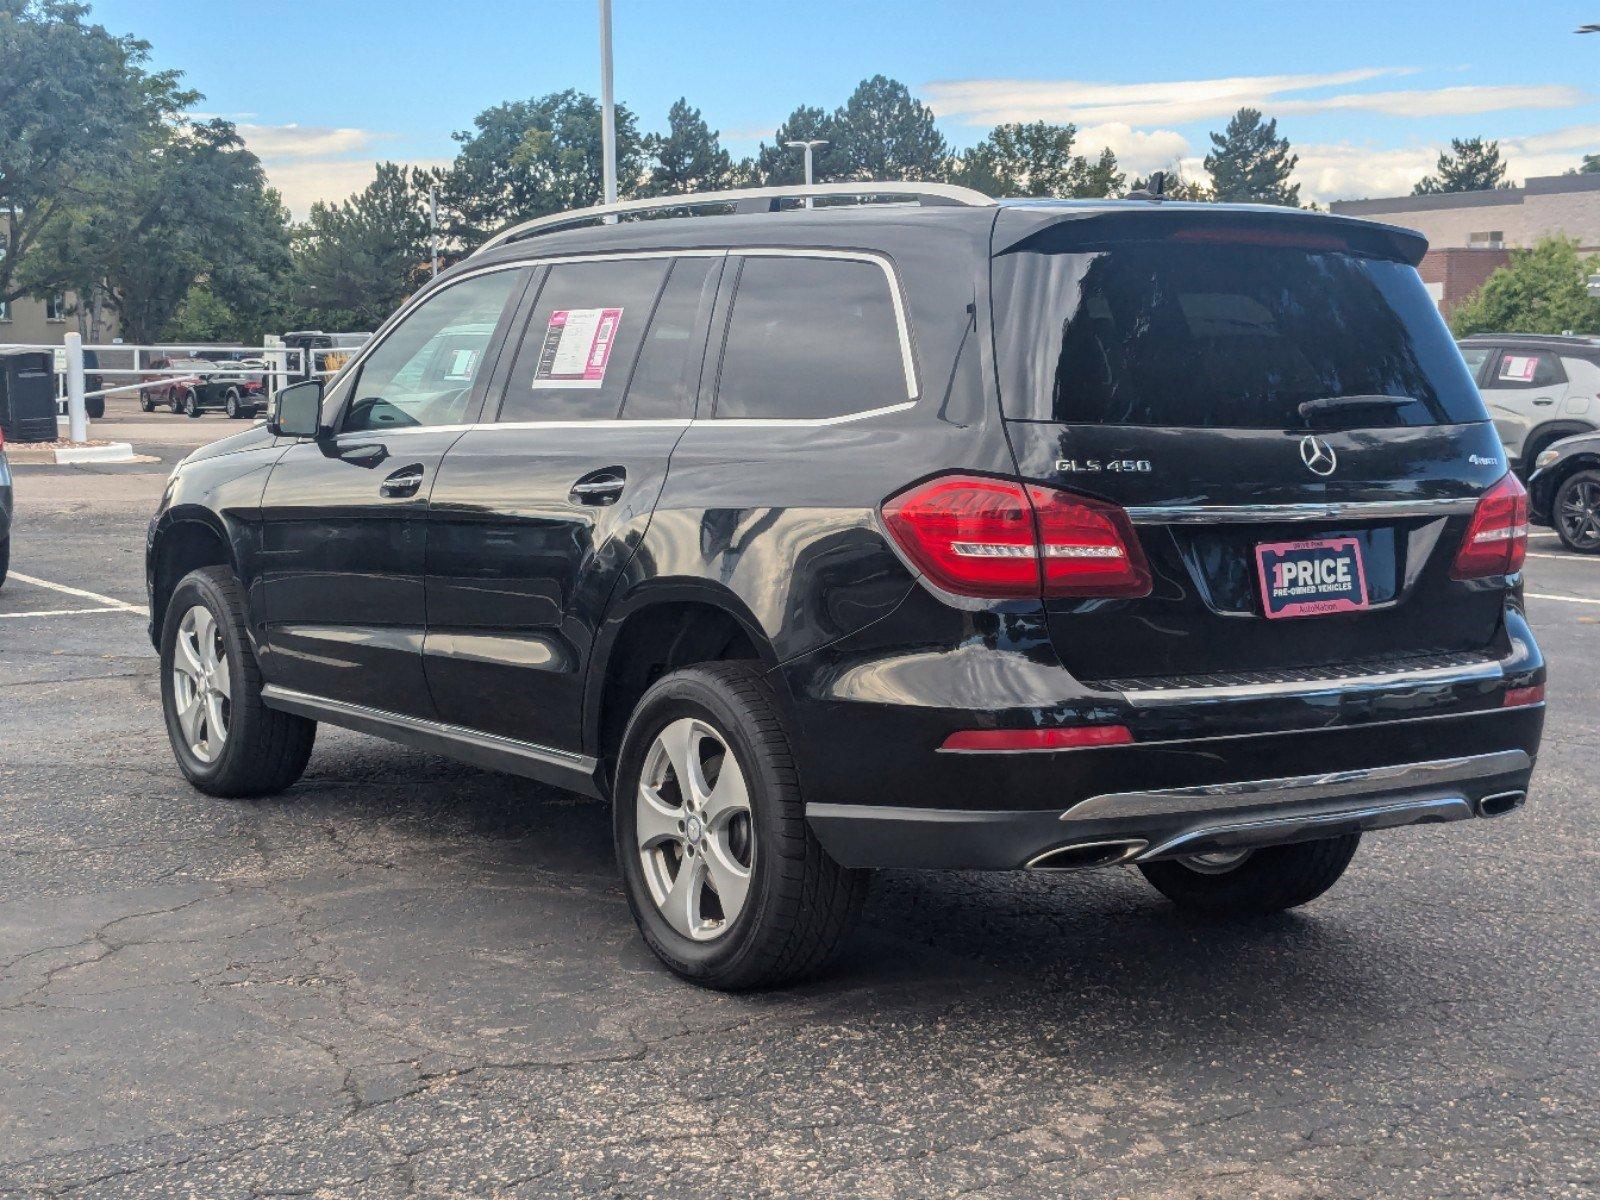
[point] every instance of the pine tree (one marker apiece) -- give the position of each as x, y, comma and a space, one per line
1473, 165
1174, 186
884, 132
1249, 162
778, 164
687, 158
1036, 159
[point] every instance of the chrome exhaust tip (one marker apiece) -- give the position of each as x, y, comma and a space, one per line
1079, 855
1499, 804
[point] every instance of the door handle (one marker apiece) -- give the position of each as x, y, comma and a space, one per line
402, 483
1544, 401
599, 487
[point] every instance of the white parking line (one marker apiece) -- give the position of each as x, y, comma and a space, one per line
1571, 558
108, 601
1563, 599
70, 612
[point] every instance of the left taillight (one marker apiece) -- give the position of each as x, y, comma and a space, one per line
1497, 540
997, 538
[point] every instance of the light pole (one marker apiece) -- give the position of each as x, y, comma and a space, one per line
608, 112
808, 147
433, 229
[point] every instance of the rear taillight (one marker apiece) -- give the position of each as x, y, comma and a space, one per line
995, 538
1497, 539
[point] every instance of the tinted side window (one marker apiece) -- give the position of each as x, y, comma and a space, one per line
1527, 369
810, 338
1474, 357
668, 372
578, 348
422, 373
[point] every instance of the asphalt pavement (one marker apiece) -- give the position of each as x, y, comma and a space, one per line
408, 977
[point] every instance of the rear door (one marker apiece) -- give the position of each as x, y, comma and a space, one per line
540, 507
1270, 399
1523, 389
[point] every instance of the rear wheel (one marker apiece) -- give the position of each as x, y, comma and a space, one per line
232, 403
728, 884
1575, 512
227, 742
175, 400
146, 404
1253, 881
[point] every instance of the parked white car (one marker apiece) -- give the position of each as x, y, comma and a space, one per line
1539, 388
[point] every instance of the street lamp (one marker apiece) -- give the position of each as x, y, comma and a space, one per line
608, 111
808, 147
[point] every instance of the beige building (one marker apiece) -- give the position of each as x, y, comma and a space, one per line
1470, 234
31, 322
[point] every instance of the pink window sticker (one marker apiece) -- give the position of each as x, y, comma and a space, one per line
577, 347
1519, 368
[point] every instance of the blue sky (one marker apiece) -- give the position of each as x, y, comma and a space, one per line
1367, 91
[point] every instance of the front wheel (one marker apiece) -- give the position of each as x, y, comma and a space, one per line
146, 404
232, 403
1575, 512
191, 403
1253, 881
727, 883
227, 742
5, 558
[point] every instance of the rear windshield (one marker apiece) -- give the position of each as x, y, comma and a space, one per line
1236, 333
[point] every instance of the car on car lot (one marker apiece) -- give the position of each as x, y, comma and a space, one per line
1539, 388
1564, 491
216, 382
946, 533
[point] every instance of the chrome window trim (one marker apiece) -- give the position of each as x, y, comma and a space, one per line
1355, 510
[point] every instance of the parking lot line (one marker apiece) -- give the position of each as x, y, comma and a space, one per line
1581, 558
1564, 599
108, 601
125, 610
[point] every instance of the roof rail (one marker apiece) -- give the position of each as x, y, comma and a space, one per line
743, 200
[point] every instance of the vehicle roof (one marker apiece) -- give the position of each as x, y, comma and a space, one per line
1548, 341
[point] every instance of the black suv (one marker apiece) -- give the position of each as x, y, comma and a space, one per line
938, 532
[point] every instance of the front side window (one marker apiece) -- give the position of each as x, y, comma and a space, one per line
810, 338
423, 372
579, 346
1474, 357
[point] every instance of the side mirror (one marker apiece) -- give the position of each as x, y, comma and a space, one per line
297, 411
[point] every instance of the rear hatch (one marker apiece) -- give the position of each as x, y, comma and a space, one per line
1248, 386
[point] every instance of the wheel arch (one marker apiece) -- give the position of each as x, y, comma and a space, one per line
185, 540
660, 628
1540, 437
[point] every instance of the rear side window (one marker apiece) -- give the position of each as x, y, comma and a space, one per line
1517, 369
811, 338
1475, 357
1222, 334
580, 344
667, 376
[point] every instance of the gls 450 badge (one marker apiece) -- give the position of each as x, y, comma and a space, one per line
1081, 466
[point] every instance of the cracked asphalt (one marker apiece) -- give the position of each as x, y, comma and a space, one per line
408, 977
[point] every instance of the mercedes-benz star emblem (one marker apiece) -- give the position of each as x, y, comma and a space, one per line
1317, 455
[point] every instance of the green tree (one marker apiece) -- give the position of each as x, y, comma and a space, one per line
1472, 165
883, 132
1589, 166
1542, 290
1036, 159
687, 158
526, 158
1249, 162
194, 207
202, 317
778, 164
77, 111
355, 261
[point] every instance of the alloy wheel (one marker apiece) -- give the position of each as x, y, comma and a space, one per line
693, 825
1579, 514
201, 685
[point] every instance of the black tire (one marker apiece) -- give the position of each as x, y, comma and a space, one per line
1575, 512
265, 751
1268, 881
191, 403
145, 403
5, 558
231, 403
175, 401
801, 904
94, 407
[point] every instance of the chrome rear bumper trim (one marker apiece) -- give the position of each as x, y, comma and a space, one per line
1382, 681
1333, 510
1441, 774
1274, 831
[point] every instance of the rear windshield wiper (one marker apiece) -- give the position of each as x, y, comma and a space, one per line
1311, 409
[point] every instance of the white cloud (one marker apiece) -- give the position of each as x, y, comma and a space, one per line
307, 163
291, 142
1139, 151
1174, 102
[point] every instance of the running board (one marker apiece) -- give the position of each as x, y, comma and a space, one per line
575, 772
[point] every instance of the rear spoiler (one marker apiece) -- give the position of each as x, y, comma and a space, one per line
1019, 224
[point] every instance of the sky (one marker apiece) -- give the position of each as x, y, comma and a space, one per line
1367, 92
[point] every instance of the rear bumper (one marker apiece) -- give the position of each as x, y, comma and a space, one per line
1153, 823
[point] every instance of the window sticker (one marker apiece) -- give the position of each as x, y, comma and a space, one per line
577, 346
461, 364
1518, 368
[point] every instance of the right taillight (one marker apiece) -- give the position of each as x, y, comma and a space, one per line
1497, 539
996, 538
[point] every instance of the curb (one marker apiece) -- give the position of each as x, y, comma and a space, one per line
108, 452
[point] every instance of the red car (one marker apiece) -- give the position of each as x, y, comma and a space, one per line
237, 395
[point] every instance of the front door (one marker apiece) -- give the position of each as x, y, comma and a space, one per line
1523, 389
539, 509
344, 517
